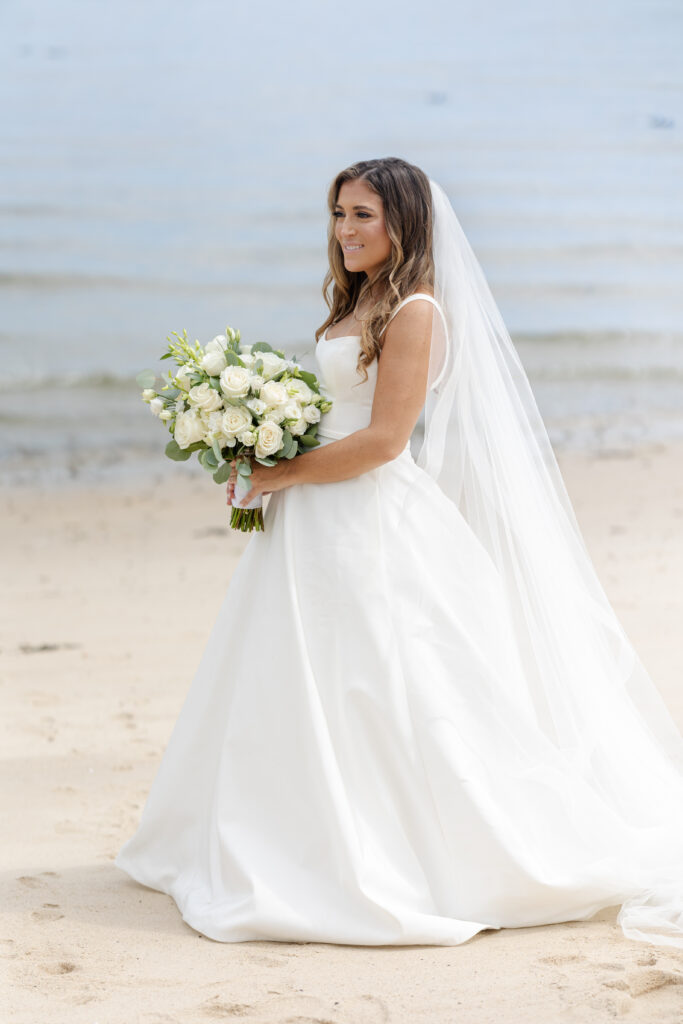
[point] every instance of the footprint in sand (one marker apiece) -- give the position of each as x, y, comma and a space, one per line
49, 912
642, 982
219, 1010
29, 881
558, 959
61, 967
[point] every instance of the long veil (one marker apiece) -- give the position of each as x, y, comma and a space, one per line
486, 445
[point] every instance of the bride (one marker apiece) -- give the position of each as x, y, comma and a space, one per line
417, 716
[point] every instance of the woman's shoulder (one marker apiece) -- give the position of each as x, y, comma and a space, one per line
411, 311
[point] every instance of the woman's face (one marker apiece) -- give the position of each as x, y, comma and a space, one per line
360, 228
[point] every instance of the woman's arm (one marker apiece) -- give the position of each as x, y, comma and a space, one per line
399, 396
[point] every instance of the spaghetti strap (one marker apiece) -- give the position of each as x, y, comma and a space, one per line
409, 298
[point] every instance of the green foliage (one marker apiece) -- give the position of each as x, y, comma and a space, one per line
146, 378
308, 440
309, 378
175, 452
222, 473
261, 346
265, 462
232, 358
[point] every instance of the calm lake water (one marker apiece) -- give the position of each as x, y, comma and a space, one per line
165, 166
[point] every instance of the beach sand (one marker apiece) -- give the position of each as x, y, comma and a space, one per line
110, 595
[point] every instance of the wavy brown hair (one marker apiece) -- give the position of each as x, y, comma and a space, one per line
407, 205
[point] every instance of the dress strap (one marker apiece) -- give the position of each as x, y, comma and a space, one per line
409, 298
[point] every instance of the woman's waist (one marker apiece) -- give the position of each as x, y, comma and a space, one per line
345, 417
326, 434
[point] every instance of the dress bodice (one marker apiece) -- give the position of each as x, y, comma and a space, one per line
351, 395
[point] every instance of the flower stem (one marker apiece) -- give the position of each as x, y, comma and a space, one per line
246, 519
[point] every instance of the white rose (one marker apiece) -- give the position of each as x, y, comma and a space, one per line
273, 393
180, 405
256, 382
292, 411
189, 428
247, 359
247, 437
213, 420
148, 394
235, 381
182, 378
299, 427
236, 419
214, 360
275, 415
269, 440
272, 364
257, 406
245, 350
165, 415
311, 413
231, 442
205, 397
299, 389
156, 406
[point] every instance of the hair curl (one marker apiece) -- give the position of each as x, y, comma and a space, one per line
407, 204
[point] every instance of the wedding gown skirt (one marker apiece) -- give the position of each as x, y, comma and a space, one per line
358, 759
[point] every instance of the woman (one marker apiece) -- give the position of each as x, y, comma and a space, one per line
417, 716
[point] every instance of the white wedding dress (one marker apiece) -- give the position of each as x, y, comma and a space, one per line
358, 759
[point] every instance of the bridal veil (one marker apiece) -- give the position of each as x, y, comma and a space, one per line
487, 447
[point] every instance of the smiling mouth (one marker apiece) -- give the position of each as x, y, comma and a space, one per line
352, 248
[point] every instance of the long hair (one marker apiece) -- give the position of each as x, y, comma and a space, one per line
407, 205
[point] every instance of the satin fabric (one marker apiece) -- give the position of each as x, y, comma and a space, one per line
358, 759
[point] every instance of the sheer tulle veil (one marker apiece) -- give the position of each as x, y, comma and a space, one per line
486, 445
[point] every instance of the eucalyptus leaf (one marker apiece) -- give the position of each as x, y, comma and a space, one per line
222, 473
310, 379
265, 462
243, 468
175, 452
146, 378
286, 438
232, 358
308, 441
261, 346
217, 450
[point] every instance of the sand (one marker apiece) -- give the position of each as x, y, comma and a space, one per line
109, 597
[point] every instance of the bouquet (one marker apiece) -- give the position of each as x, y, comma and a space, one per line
230, 401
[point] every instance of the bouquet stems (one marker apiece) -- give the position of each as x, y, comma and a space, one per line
246, 519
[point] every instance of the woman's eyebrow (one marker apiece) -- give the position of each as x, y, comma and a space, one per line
359, 206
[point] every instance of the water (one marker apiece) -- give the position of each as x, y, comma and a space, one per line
166, 167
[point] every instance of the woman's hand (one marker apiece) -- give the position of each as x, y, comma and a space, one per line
231, 482
263, 479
